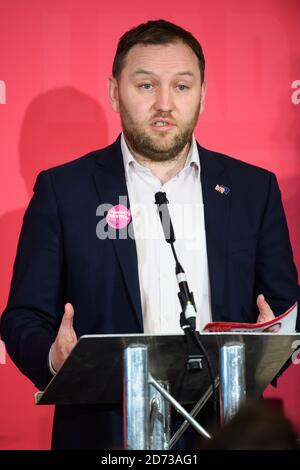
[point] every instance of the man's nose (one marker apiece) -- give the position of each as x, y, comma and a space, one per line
163, 100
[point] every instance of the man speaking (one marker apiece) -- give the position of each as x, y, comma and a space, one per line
92, 258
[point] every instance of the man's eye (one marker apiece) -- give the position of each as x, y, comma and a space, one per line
182, 87
146, 86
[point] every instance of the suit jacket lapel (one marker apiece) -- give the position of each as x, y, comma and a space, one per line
111, 186
216, 214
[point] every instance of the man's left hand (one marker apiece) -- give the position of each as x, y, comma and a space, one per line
265, 311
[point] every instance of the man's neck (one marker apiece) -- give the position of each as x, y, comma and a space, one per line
164, 171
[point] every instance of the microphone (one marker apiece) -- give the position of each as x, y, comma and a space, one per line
186, 297
164, 215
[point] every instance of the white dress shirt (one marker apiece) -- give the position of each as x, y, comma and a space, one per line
156, 266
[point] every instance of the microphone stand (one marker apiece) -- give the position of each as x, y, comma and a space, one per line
187, 316
187, 302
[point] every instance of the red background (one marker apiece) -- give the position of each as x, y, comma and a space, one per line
55, 58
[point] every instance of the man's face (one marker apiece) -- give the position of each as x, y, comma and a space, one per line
159, 96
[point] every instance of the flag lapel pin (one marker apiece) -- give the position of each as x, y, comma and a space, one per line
222, 189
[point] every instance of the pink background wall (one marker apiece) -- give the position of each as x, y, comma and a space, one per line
55, 58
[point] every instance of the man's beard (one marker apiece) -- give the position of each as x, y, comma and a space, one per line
156, 150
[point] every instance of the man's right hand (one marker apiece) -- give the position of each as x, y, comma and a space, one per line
65, 340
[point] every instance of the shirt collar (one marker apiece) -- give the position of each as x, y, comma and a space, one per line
129, 160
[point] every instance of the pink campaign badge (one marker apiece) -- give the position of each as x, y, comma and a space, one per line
118, 216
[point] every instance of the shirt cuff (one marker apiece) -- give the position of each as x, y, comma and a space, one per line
52, 370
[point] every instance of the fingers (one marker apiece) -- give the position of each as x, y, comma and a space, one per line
265, 311
66, 335
65, 340
67, 319
263, 305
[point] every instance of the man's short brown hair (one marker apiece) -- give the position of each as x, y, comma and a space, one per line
155, 32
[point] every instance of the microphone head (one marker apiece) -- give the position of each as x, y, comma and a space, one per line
161, 201
161, 198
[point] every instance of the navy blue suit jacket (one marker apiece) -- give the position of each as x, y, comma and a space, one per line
60, 259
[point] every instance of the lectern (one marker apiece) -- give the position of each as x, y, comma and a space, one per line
148, 374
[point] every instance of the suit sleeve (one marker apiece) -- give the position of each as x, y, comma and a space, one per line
276, 274
31, 319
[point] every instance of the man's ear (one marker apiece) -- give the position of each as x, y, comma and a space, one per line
113, 93
203, 94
